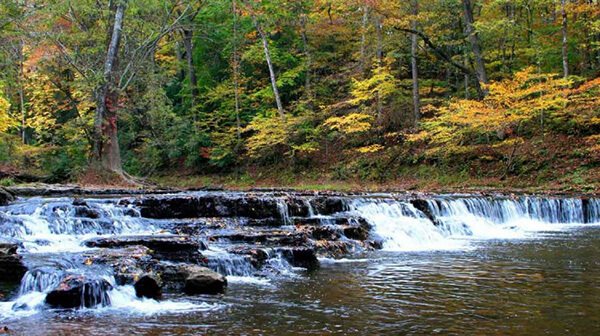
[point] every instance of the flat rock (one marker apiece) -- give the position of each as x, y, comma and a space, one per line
163, 247
265, 238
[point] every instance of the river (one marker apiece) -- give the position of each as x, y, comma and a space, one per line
471, 265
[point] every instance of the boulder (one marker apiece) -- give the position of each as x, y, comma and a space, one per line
201, 280
78, 291
12, 268
148, 286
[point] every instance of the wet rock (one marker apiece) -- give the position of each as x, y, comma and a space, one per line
201, 280
79, 201
86, 212
5, 197
12, 268
128, 263
209, 206
148, 286
297, 207
356, 232
78, 291
163, 247
423, 206
328, 205
300, 257
322, 232
265, 238
256, 256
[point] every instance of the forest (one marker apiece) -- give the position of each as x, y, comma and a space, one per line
419, 94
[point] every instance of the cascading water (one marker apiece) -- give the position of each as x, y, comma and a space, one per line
446, 221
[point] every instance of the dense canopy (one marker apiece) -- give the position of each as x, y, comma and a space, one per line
314, 88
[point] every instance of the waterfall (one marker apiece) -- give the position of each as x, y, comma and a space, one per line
446, 221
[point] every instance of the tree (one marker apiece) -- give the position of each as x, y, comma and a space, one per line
414, 10
475, 44
272, 75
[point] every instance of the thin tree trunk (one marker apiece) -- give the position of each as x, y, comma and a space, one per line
106, 142
466, 62
235, 74
22, 92
363, 41
565, 59
475, 44
270, 65
188, 42
379, 54
414, 10
307, 84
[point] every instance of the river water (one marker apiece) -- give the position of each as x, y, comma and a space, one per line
487, 267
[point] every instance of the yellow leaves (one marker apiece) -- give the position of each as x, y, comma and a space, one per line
509, 104
370, 149
5, 121
509, 143
351, 123
268, 132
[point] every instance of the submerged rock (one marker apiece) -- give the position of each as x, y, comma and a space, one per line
78, 291
12, 268
148, 286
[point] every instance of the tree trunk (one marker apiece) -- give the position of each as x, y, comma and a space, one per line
363, 41
379, 54
188, 42
270, 65
466, 62
475, 44
565, 59
414, 10
22, 92
106, 142
235, 74
307, 84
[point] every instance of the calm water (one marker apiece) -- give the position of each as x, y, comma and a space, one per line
548, 283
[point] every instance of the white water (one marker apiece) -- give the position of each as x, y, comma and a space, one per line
459, 220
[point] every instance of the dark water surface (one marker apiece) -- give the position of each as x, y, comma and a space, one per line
546, 284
